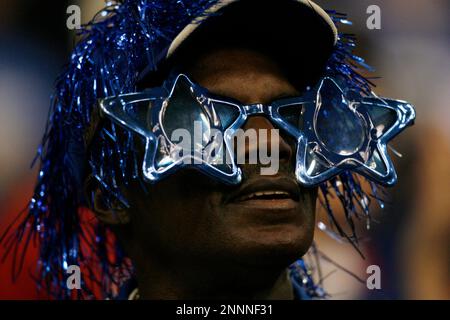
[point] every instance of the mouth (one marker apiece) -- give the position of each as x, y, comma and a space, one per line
267, 193
264, 195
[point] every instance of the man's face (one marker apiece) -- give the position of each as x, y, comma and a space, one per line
267, 220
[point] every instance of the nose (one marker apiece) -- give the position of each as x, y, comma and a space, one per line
257, 122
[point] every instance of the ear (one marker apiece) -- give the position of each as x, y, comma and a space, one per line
113, 213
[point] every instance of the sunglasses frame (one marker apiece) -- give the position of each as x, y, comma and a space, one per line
152, 129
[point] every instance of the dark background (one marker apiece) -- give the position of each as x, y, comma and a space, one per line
411, 52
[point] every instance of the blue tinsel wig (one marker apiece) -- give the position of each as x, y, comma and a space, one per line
125, 38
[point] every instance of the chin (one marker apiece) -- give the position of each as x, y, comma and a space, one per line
278, 245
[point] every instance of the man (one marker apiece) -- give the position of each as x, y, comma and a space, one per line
193, 226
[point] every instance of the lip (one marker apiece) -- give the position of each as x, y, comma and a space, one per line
266, 193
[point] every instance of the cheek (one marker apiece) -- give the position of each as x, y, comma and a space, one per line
175, 217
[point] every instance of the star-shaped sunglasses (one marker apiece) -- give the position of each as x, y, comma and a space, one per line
335, 129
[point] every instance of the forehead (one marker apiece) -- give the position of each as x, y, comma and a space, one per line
244, 74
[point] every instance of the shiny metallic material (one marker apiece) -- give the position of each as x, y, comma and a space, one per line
336, 129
